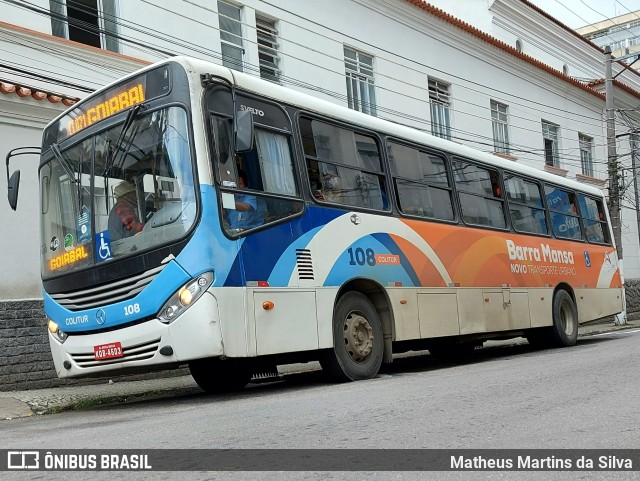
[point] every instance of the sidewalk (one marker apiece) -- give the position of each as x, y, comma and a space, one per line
15, 404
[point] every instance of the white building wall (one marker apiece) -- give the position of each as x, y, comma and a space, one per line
408, 45
21, 124
31, 18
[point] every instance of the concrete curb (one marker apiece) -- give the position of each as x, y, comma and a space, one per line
51, 400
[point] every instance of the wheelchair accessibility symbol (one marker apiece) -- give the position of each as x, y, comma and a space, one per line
103, 246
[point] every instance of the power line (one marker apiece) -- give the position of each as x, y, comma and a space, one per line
392, 59
338, 95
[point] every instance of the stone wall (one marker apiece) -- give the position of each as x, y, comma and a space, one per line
25, 357
632, 295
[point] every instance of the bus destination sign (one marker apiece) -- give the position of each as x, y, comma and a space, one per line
103, 107
144, 87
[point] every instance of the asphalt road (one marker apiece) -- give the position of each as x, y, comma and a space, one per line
506, 398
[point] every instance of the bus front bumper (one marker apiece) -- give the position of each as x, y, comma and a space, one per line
146, 346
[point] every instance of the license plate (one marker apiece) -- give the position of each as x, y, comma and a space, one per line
107, 351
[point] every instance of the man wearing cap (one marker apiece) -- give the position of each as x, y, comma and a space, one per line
123, 218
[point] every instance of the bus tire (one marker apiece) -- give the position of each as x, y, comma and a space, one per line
564, 331
358, 342
215, 376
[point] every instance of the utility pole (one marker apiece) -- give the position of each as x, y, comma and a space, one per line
614, 181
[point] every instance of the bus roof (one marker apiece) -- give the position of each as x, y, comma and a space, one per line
251, 83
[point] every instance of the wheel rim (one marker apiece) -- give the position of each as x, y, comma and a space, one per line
358, 336
567, 318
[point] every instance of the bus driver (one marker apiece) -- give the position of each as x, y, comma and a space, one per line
249, 212
123, 218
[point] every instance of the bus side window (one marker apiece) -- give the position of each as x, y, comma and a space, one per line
480, 197
564, 215
594, 220
525, 205
421, 182
344, 167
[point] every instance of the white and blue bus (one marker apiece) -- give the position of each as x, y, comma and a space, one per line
191, 214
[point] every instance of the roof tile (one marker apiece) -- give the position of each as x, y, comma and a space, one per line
22, 91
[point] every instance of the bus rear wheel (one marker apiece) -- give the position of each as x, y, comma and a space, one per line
216, 376
564, 331
357, 340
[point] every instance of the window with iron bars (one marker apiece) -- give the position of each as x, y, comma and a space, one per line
268, 48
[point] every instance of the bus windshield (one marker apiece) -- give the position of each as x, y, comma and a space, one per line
119, 192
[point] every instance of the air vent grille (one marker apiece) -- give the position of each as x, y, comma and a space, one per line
304, 264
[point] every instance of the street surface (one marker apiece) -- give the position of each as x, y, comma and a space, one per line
507, 397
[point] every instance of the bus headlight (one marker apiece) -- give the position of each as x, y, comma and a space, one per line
184, 297
55, 330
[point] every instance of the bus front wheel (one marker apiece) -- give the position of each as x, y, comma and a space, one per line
357, 340
216, 376
564, 331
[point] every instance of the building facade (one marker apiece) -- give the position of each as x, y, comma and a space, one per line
501, 76
621, 34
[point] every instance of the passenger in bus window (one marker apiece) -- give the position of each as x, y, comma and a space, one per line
123, 218
249, 211
331, 187
314, 180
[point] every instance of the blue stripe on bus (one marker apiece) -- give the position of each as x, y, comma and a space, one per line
269, 255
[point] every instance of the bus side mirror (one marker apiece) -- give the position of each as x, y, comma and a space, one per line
13, 185
244, 131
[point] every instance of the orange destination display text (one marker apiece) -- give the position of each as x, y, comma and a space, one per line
111, 106
68, 258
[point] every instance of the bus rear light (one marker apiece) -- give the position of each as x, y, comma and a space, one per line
268, 305
263, 284
184, 297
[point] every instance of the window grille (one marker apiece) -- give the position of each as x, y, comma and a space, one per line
268, 49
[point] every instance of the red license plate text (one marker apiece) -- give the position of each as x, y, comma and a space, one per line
107, 351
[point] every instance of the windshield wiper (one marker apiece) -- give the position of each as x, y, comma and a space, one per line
63, 162
111, 160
